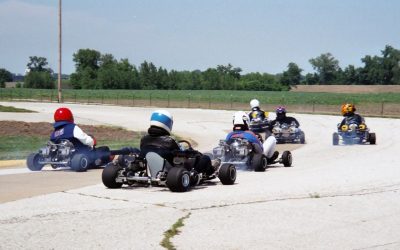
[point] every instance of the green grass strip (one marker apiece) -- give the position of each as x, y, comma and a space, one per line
170, 233
14, 109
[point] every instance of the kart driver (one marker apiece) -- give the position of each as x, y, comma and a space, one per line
282, 118
241, 130
65, 128
350, 117
159, 140
256, 112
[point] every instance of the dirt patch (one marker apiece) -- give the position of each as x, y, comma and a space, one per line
44, 129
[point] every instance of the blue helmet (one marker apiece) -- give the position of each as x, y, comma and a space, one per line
162, 119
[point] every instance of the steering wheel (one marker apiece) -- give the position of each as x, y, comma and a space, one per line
185, 142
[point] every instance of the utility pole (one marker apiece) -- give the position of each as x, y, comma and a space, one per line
59, 52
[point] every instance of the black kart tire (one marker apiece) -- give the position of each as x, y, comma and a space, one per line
227, 174
109, 174
33, 162
372, 138
178, 179
335, 139
80, 162
259, 163
302, 137
287, 159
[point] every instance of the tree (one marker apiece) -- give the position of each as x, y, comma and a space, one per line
86, 58
292, 76
5, 76
38, 64
326, 66
39, 75
87, 63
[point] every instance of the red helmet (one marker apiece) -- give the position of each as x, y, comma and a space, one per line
63, 114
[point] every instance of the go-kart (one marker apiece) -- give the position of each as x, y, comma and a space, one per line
152, 169
258, 125
240, 152
64, 154
288, 133
353, 134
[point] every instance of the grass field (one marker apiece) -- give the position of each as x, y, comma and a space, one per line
212, 96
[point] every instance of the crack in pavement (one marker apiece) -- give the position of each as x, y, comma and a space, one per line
96, 196
380, 245
310, 196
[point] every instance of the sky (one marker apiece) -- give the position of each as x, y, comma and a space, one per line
255, 35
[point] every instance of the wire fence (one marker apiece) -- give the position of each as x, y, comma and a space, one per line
187, 100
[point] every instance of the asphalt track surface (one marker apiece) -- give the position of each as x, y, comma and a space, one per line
334, 197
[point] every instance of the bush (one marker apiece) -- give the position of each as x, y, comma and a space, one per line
39, 80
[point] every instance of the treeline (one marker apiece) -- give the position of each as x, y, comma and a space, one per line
102, 71
97, 71
379, 70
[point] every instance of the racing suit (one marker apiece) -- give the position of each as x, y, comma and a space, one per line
257, 113
267, 148
158, 140
287, 119
352, 119
70, 131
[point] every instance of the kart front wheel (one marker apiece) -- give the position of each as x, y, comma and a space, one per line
178, 179
287, 159
33, 162
109, 175
335, 139
259, 162
227, 174
80, 162
372, 138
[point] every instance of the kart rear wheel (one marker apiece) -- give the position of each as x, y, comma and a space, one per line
110, 173
287, 159
335, 139
80, 162
372, 138
178, 179
259, 162
33, 162
302, 137
227, 174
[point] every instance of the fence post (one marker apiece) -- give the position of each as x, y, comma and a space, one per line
51, 96
133, 99
231, 102
209, 102
189, 100
382, 107
150, 99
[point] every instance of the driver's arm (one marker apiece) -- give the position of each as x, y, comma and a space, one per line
83, 137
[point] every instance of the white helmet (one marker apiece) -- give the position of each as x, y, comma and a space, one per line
162, 119
240, 118
254, 103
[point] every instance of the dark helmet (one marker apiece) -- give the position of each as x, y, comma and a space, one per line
280, 112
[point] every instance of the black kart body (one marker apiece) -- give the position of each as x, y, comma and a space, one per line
288, 133
186, 171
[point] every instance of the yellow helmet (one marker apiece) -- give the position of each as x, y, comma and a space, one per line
348, 108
